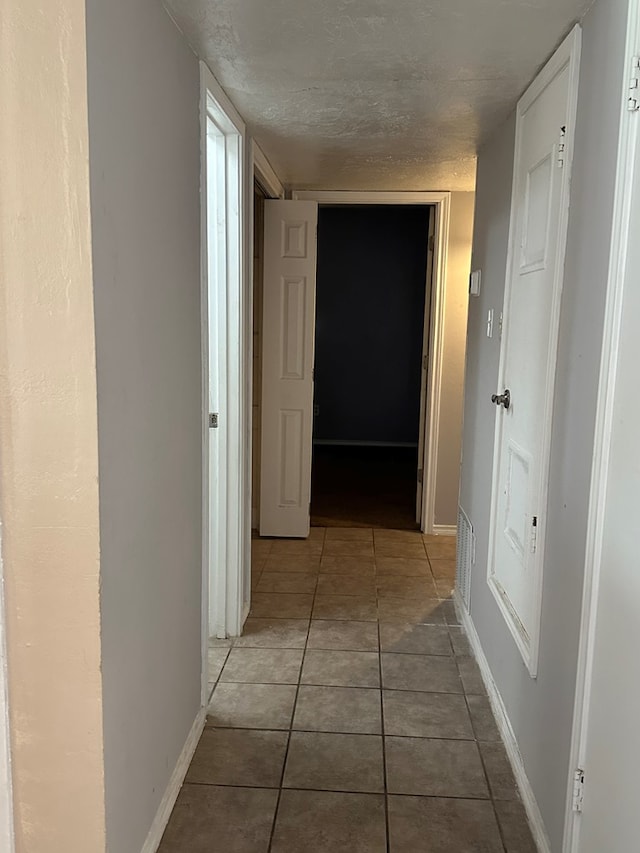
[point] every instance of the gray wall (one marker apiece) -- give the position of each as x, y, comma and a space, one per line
143, 87
541, 710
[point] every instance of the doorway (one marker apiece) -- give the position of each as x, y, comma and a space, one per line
288, 349
370, 371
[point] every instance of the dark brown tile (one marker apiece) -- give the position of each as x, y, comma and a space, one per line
501, 779
239, 757
352, 607
431, 673
484, 723
338, 709
270, 633
414, 639
252, 706
287, 582
335, 762
306, 547
349, 534
346, 585
330, 822
345, 548
420, 824
434, 768
392, 586
409, 536
515, 827
293, 563
207, 818
341, 565
343, 634
433, 715
341, 668
281, 605
440, 547
389, 548
443, 569
403, 567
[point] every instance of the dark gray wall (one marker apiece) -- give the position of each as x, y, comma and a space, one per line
541, 710
143, 88
369, 322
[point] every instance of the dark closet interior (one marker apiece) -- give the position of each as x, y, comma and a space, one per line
370, 307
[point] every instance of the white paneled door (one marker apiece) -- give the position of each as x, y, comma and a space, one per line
524, 398
287, 366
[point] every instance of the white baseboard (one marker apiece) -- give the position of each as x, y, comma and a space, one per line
173, 788
504, 725
445, 529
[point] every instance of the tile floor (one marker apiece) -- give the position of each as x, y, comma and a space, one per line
349, 717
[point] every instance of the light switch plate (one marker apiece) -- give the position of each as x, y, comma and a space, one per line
474, 282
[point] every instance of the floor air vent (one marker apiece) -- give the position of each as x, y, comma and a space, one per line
464, 557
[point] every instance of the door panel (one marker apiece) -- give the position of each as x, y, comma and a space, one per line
529, 344
287, 366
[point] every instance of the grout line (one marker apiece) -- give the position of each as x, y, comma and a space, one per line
343, 791
290, 730
384, 743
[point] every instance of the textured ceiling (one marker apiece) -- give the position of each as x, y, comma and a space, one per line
374, 94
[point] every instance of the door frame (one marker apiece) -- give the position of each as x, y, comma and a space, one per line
441, 202
628, 160
567, 54
7, 836
225, 535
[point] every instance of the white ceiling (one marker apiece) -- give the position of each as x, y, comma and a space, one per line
374, 94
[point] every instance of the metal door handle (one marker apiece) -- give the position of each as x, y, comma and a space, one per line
502, 399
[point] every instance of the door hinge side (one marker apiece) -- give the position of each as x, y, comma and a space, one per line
578, 789
213, 420
419, 475
561, 146
534, 534
633, 101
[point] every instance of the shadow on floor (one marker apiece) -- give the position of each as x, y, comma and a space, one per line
364, 487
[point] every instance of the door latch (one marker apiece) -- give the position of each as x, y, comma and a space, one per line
502, 399
213, 421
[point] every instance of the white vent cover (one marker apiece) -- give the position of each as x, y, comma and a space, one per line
464, 557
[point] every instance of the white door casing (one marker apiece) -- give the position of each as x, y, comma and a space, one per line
424, 375
290, 250
537, 239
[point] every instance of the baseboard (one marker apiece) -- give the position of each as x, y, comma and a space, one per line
445, 529
524, 786
173, 788
338, 442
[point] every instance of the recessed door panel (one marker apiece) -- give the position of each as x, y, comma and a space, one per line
293, 301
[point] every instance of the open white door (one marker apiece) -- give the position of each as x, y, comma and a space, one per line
287, 366
540, 199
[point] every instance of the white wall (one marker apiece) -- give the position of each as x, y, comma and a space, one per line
541, 710
143, 88
48, 431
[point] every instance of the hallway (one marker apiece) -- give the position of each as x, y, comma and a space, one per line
350, 717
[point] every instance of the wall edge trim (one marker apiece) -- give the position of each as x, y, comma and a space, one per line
506, 731
161, 819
